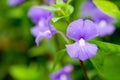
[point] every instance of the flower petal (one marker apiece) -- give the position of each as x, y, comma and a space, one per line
36, 14
81, 29
42, 30
14, 2
38, 29
89, 30
52, 29
62, 74
74, 30
81, 52
47, 34
35, 31
87, 8
50, 1
102, 16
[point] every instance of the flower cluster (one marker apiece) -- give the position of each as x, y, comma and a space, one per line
103, 21
79, 30
42, 28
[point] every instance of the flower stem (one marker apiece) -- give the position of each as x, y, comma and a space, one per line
64, 37
84, 70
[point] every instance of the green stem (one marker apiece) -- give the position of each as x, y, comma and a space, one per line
64, 37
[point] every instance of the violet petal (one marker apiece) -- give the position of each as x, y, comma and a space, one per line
36, 14
14, 2
81, 50
81, 29
98, 16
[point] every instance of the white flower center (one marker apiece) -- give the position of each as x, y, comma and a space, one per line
82, 42
102, 23
41, 23
63, 77
47, 32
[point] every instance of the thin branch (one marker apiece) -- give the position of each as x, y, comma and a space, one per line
64, 37
84, 70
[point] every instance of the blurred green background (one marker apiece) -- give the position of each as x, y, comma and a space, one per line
21, 59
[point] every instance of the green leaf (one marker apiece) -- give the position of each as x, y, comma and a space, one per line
104, 49
108, 8
61, 25
69, 1
98, 62
64, 10
59, 2
16, 13
58, 57
55, 19
108, 48
71, 9
36, 51
51, 8
21, 72
112, 67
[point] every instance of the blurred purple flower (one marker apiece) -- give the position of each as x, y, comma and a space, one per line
63, 74
87, 8
43, 28
50, 1
80, 31
14, 2
103, 21
36, 14
98, 16
65, 1
104, 28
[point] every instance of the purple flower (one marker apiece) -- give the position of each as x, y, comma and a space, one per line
81, 31
104, 28
43, 28
87, 8
42, 31
36, 14
63, 74
65, 1
98, 16
14, 2
103, 21
50, 1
